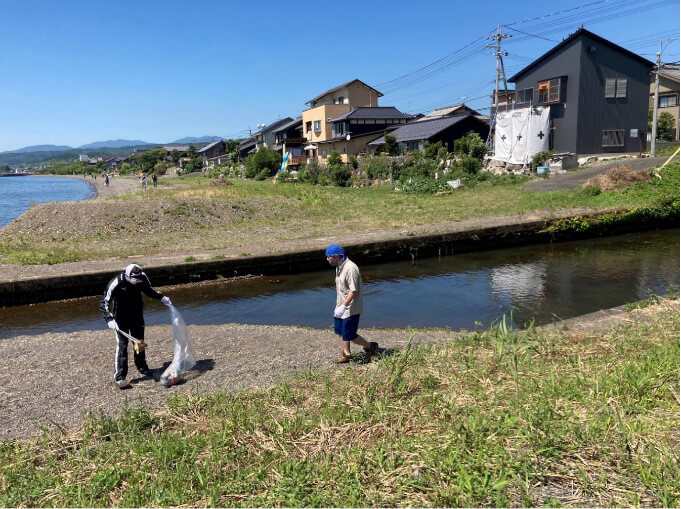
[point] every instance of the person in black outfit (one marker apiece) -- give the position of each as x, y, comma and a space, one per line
123, 311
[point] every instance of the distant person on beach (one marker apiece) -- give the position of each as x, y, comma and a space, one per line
348, 308
154, 180
144, 181
122, 307
106, 179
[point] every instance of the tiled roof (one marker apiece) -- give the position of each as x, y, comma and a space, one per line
377, 112
671, 70
289, 125
273, 125
343, 86
447, 111
208, 147
247, 142
421, 130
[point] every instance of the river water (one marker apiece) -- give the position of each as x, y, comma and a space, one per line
18, 194
544, 283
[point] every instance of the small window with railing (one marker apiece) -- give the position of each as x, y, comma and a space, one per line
317, 125
613, 138
552, 91
308, 126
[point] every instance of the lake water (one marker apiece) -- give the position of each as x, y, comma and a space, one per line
18, 194
545, 283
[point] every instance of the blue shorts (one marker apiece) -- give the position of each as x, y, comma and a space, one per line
346, 327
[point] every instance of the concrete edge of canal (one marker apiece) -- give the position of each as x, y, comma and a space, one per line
50, 288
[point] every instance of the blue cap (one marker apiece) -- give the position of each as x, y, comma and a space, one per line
335, 250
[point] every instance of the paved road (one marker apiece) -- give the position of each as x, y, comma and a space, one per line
577, 178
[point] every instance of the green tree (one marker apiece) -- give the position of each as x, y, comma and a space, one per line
265, 162
231, 146
175, 156
391, 146
471, 145
146, 161
334, 159
432, 150
665, 126
191, 152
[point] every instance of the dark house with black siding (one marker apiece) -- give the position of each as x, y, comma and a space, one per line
598, 93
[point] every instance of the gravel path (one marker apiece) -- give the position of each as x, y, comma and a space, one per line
56, 378
577, 178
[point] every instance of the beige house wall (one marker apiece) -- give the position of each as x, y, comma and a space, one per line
362, 96
322, 113
667, 87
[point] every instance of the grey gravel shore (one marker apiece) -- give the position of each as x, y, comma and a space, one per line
54, 379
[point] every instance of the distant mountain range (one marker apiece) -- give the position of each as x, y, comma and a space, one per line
40, 148
200, 139
115, 144
110, 144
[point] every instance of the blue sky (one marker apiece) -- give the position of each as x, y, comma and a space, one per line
75, 72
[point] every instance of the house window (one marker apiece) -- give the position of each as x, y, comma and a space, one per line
308, 126
341, 100
610, 88
667, 100
615, 88
551, 91
345, 150
621, 89
526, 95
323, 154
340, 129
317, 125
613, 138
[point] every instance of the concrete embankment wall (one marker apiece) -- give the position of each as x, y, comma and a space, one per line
404, 248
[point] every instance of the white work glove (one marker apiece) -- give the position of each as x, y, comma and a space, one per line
112, 325
339, 311
166, 301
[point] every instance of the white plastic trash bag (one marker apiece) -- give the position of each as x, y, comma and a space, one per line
183, 357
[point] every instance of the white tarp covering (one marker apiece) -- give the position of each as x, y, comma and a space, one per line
183, 357
521, 133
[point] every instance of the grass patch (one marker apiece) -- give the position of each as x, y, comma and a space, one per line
266, 216
493, 418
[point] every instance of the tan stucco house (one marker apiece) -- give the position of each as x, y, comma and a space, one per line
317, 126
668, 94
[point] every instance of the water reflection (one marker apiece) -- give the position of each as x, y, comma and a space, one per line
538, 283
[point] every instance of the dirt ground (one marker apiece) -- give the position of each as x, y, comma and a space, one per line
54, 379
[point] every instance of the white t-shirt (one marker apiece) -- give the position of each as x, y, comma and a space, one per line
348, 279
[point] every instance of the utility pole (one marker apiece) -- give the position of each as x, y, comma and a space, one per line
655, 100
498, 37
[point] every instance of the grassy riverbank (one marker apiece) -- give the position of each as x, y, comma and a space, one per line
491, 418
193, 217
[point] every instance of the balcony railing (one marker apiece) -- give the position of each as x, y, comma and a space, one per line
297, 159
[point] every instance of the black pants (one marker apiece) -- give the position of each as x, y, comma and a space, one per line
121, 360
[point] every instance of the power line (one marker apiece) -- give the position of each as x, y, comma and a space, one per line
531, 35
555, 13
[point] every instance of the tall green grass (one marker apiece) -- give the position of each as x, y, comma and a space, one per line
500, 418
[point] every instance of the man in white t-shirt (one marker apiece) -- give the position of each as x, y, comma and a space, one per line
348, 308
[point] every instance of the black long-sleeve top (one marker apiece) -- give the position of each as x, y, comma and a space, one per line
123, 300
